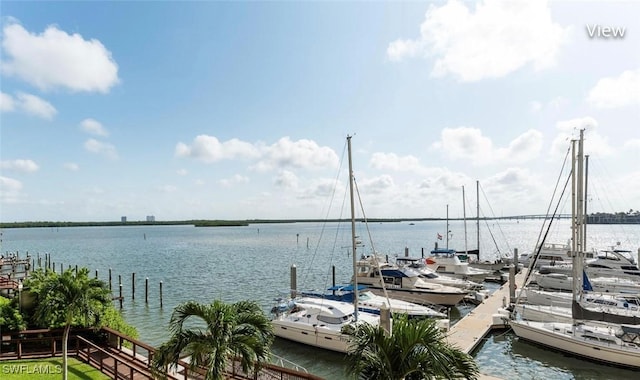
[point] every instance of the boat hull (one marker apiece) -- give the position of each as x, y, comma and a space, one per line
424, 297
563, 341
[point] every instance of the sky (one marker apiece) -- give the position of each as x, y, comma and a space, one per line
240, 110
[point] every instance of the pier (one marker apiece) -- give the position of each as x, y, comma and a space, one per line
468, 332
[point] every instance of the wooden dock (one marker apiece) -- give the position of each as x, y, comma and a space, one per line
467, 333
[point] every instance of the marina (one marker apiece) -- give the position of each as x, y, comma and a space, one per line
202, 264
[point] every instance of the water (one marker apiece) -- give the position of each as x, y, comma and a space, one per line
238, 263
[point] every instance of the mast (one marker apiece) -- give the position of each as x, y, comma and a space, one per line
464, 218
478, 217
577, 195
585, 215
447, 227
353, 232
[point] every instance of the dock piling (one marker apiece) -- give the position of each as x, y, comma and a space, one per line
120, 298
133, 285
110, 279
146, 290
161, 294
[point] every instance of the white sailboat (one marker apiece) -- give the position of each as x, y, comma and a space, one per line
322, 322
615, 344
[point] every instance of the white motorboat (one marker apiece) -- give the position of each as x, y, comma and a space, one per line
447, 262
430, 275
318, 322
372, 303
607, 263
405, 284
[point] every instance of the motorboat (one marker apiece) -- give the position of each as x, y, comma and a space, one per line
607, 263
405, 284
446, 261
372, 303
318, 322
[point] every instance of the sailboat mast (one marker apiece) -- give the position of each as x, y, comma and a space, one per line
580, 208
447, 247
353, 232
577, 208
464, 218
585, 215
478, 218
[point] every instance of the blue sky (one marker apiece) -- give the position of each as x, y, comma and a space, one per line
239, 110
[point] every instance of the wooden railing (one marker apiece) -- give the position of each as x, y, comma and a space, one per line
120, 356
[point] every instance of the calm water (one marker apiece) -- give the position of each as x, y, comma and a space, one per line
237, 263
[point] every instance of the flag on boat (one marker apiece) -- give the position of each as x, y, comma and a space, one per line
439, 236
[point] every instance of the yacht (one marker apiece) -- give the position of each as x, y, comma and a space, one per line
318, 322
446, 261
405, 284
369, 302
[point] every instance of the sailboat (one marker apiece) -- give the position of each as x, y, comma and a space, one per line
321, 322
612, 343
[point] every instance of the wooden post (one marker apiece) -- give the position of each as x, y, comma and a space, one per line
146, 290
109, 278
96, 274
76, 270
54, 267
161, 294
120, 296
133, 285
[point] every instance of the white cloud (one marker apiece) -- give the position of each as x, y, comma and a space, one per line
36, 106
9, 189
71, 166
27, 166
633, 145
56, 59
377, 184
286, 179
7, 104
167, 189
470, 144
27, 103
523, 148
594, 143
297, 154
209, 149
93, 127
490, 41
621, 91
392, 161
535, 106
98, 147
236, 179
182, 172
282, 154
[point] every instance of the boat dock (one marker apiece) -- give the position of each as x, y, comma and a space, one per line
467, 333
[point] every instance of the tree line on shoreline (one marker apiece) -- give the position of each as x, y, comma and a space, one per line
629, 217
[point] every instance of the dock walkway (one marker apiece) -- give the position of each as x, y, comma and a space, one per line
467, 333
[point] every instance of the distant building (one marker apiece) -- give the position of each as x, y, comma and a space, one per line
151, 218
123, 219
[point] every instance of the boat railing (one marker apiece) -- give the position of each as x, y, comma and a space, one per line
285, 363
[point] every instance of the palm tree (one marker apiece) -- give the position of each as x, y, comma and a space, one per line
70, 299
217, 333
415, 350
